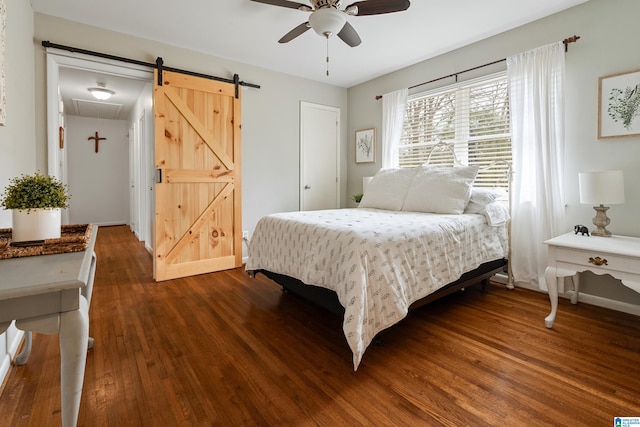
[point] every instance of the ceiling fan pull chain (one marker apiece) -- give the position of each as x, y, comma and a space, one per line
327, 37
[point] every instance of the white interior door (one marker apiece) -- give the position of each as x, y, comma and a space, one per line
319, 156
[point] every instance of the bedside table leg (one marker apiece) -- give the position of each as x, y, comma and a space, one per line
576, 285
552, 285
22, 358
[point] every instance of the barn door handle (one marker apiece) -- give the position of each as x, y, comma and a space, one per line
307, 187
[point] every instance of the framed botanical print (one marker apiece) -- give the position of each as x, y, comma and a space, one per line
619, 105
366, 145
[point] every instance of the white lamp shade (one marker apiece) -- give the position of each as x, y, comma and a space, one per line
601, 188
327, 22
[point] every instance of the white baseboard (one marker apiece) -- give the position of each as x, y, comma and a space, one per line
582, 297
13, 346
12, 350
5, 365
607, 303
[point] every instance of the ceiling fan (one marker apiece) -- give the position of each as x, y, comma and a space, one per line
328, 19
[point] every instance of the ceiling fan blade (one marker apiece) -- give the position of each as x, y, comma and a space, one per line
294, 33
285, 3
349, 35
378, 7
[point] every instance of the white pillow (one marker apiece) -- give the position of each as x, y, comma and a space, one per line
388, 189
440, 189
484, 196
481, 197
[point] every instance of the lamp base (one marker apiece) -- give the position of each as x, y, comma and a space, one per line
601, 221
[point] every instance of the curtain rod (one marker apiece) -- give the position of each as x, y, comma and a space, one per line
566, 47
157, 64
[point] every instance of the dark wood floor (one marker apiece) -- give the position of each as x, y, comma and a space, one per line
224, 349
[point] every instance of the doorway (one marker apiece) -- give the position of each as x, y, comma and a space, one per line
68, 77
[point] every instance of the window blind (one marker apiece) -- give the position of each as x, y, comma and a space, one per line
473, 117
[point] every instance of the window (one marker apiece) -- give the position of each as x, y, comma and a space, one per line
473, 117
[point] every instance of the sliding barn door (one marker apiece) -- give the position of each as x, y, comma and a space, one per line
198, 199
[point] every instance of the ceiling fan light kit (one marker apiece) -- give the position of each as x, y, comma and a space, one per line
328, 19
327, 16
327, 22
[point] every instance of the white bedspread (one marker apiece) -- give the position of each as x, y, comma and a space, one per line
377, 261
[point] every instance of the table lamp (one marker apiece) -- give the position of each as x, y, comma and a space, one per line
600, 188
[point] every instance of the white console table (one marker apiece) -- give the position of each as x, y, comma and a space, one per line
572, 253
45, 294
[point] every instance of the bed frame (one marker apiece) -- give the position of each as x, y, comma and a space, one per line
328, 299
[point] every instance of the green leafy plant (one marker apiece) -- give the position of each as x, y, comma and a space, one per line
624, 105
357, 197
35, 191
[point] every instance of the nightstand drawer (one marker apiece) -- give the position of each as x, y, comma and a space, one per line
598, 260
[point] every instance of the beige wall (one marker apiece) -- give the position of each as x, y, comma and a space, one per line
98, 182
270, 115
17, 136
608, 44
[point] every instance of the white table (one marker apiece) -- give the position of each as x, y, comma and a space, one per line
43, 294
571, 253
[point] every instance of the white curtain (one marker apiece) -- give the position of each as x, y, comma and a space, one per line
393, 106
536, 90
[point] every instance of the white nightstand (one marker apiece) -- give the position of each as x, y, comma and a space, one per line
572, 253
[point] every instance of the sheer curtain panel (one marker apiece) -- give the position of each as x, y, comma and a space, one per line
393, 106
536, 90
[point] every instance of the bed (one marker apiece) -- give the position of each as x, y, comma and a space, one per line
418, 234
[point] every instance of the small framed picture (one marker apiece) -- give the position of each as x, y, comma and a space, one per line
619, 105
366, 145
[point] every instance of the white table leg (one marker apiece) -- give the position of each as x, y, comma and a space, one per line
552, 285
22, 358
576, 285
74, 335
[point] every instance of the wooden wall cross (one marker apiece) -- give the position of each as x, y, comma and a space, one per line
97, 139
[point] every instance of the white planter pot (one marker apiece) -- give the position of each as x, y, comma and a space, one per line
37, 224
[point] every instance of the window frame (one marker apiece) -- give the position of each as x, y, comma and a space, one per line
463, 137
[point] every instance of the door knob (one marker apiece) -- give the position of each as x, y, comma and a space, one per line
307, 187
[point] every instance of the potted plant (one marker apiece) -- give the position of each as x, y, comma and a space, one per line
357, 197
36, 201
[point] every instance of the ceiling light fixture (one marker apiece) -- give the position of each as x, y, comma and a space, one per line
327, 22
101, 92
